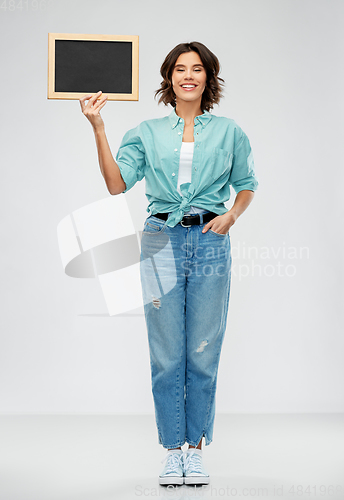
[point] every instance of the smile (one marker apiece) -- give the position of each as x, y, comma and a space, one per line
188, 86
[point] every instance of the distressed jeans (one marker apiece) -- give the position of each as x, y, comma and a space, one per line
185, 278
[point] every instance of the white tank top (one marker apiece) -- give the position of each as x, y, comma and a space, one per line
184, 175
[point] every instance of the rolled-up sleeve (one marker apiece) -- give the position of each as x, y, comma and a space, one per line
131, 158
243, 174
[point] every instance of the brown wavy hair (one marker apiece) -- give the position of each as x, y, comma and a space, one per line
212, 92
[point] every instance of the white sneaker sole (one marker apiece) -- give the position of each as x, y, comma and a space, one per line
173, 480
196, 479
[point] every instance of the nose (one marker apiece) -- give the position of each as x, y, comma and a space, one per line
188, 73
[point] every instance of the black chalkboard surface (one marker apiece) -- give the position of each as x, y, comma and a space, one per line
80, 64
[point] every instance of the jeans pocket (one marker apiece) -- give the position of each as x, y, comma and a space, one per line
218, 234
154, 225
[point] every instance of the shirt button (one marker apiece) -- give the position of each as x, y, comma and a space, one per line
176, 149
179, 133
173, 174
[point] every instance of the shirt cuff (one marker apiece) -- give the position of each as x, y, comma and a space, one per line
251, 185
128, 175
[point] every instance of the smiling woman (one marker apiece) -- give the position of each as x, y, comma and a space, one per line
189, 159
202, 63
189, 76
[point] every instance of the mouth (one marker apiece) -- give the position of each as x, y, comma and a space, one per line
188, 87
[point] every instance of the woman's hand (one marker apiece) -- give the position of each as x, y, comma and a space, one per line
221, 224
92, 108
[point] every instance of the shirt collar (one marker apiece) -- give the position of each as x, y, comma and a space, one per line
203, 119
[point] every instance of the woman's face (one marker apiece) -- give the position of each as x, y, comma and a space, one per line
189, 77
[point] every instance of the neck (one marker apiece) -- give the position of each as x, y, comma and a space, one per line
188, 110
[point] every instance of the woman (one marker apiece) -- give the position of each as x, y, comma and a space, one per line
189, 159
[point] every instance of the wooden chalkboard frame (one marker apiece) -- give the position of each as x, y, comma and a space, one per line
133, 96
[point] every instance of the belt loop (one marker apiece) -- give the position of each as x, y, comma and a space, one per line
201, 218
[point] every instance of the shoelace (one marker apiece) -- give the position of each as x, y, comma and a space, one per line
193, 462
174, 460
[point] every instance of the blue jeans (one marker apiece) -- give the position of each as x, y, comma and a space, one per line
185, 277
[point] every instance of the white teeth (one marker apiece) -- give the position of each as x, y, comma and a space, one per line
188, 86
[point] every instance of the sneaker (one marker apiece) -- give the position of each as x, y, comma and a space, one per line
194, 472
173, 470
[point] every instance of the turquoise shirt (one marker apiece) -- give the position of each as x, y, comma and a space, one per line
222, 157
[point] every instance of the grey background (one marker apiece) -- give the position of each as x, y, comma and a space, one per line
283, 350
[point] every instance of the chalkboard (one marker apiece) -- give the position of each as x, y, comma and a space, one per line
80, 64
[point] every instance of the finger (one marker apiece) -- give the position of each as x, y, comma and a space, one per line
96, 96
92, 99
82, 101
103, 104
208, 226
103, 99
99, 104
85, 97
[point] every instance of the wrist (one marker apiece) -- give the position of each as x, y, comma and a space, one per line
233, 214
99, 130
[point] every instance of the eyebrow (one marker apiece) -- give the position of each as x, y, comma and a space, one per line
176, 66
